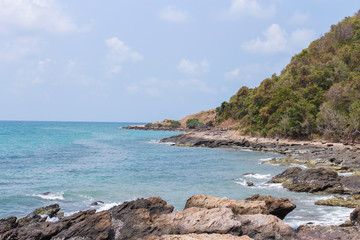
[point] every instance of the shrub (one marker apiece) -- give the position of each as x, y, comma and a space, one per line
175, 124
192, 123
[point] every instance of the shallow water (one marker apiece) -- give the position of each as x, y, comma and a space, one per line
79, 163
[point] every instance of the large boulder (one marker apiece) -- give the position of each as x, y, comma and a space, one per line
315, 180
287, 174
351, 184
237, 206
279, 207
257, 204
221, 221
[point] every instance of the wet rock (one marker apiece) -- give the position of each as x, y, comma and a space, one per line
198, 237
237, 206
96, 203
250, 184
351, 184
155, 205
315, 180
34, 216
82, 225
350, 202
287, 174
317, 232
7, 224
355, 216
279, 207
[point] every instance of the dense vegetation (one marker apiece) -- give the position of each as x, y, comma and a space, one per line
317, 94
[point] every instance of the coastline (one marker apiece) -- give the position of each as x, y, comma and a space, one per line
342, 157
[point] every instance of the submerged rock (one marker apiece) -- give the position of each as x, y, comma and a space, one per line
355, 216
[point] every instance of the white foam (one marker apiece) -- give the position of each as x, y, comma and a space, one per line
50, 196
242, 183
107, 206
257, 176
158, 142
53, 219
266, 159
346, 174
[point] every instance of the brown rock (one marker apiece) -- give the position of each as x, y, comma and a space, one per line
198, 237
279, 207
237, 206
82, 225
327, 232
355, 216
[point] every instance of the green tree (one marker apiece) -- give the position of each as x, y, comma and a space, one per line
192, 123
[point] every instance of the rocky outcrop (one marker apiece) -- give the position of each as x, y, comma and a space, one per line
286, 175
82, 225
237, 206
198, 237
328, 232
35, 216
318, 180
279, 207
255, 205
149, 218
349, 202
315, 180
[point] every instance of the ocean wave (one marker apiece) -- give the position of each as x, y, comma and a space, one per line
242, 183
50, 196
153, 141
107, 206
257, 175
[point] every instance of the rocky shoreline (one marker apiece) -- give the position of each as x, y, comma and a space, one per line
204, 217
342, 157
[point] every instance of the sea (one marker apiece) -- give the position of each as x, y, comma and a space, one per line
75, 164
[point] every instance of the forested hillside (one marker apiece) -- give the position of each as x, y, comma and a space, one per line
317, 94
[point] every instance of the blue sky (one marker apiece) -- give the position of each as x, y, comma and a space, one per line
140, 60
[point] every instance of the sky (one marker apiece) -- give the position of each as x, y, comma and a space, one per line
143, 61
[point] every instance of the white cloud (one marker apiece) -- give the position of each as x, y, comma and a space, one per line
275, 41
232, 74
43, 63
299, 18
37, 81
18, 48
195, 84
192, 67
35, 15
154, 92
302, 37
173, 14
132, 89
241, 8
119, 53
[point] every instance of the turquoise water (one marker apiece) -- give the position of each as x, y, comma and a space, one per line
80, 163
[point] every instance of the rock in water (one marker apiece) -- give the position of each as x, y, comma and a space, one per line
279, 207
355, 216
287, 174
315, 180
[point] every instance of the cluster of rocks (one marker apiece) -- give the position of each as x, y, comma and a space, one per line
318, 180
204, 217
346, 157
